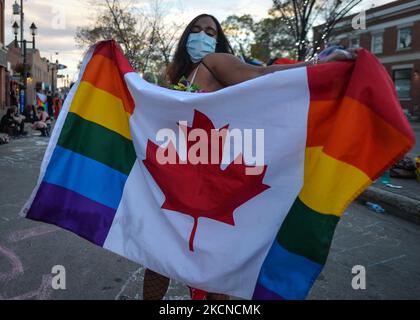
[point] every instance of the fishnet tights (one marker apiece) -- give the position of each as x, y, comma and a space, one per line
155, 286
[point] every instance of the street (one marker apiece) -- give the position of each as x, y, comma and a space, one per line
386, 246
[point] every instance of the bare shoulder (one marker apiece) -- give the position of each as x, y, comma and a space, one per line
230, 69
215, 59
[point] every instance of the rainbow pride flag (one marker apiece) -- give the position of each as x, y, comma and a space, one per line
41, 101
94, 143
356, 129
325, 133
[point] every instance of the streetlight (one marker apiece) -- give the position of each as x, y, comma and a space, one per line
34, 30
53, 67
16, 8
15, 27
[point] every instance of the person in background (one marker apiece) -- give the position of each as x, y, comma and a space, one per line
50, 104
44, 122
33, 113
13, 123
20, 121
57, 106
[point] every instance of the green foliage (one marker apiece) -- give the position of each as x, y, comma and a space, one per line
262, 40
272, 39
240, 31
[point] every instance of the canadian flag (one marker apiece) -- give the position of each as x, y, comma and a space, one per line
236, 191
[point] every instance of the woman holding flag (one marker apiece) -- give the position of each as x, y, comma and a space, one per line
204, 62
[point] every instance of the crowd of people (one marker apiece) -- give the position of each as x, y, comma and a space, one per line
39, 118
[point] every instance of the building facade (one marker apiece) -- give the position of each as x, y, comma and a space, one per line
392, 33
13, 78
42, 75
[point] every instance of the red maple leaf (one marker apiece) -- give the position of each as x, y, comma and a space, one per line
203, 190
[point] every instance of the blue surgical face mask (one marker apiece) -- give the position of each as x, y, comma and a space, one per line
199, 45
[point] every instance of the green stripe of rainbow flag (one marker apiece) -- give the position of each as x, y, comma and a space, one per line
354, 133
84, 180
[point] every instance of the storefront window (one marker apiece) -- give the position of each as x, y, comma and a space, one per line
402, 81
404, 38
377, 43
355, 42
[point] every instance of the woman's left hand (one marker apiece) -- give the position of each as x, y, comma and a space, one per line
340, 55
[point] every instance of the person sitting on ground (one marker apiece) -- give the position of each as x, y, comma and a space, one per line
13, 123
7, 123
20, 120
44, 122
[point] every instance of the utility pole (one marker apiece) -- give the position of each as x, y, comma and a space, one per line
21, 27
23, 42
52, 77
25, 74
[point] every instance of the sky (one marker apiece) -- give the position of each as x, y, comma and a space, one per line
58, 20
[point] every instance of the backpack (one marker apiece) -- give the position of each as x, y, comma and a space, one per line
405, 168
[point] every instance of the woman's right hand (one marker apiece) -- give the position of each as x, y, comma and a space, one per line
342, 55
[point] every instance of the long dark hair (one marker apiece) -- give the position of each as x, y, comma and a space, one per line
182, 64
10, 111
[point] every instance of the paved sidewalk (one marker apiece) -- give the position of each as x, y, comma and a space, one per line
386, 246
403, 203
410, 187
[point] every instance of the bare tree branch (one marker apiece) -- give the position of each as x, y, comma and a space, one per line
306, 13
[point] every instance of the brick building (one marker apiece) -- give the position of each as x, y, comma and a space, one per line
3, 60
14, 59
41, 73
393, 34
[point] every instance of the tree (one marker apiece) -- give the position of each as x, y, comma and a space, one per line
147, 41
301, 16
165, 38
262, 40
116, 21
240, 31
271, 39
